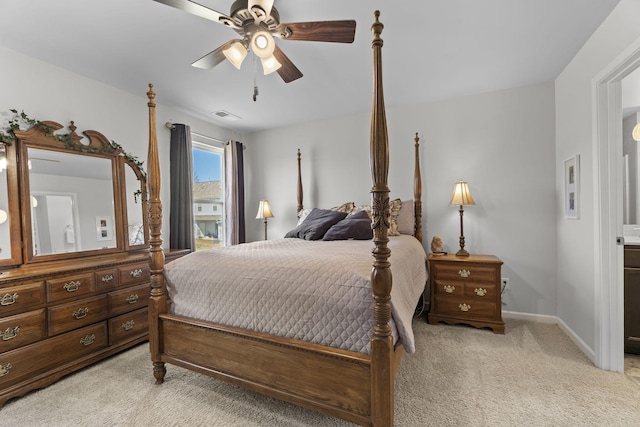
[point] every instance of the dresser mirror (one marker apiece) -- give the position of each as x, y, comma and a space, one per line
10, 252
79, 196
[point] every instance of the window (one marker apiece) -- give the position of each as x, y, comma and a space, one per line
208, 195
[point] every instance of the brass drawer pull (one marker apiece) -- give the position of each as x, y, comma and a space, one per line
449, 288
136, 273
72, 286
87, 340
9, 299
464, 307
128, 325
107, 278
480, 292
10, 333
464, 273
79, 314
4, 370
132, 299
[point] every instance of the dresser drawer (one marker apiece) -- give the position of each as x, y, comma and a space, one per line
21, 298
128, 326
465, 308
26, 362
107, 279
75, 314
477, 273
70, 287
136, 273
22, 329
128, 299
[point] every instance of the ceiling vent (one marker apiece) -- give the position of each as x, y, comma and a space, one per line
225, 115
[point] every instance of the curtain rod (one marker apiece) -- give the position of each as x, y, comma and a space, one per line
171, 126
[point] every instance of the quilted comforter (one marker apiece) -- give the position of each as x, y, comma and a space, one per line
315, 291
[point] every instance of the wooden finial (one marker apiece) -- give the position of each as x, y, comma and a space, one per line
152, 96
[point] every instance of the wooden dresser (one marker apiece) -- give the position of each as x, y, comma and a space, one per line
466, 290
58, 317
631, 299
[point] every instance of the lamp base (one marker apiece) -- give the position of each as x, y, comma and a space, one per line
462, 252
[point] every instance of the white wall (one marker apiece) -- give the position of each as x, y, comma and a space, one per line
46, 92
502, 143
575, 135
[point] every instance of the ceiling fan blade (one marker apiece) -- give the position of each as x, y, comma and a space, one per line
201, 11
320, 31
214, 57
260, 9
288, 71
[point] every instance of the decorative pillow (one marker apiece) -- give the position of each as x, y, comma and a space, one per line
316, 224
356, 226
406, 218
302, 215
394, 208
365, 208
345, 207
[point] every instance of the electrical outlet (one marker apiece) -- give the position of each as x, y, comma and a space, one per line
505, 283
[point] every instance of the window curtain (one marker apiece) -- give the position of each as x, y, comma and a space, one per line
181, 235
234, 194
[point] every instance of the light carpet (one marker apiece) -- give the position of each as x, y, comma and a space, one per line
460, 376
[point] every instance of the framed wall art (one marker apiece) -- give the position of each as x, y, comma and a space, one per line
572, 187
104, 228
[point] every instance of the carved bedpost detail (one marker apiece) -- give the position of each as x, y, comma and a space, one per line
382, 377
300, 205
417, 193
157, 301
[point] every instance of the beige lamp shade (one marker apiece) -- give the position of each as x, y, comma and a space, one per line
264, 210
236, 53
635, 133
461, 195
3, 216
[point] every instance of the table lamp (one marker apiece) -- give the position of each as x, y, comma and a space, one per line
264, 212
461, 196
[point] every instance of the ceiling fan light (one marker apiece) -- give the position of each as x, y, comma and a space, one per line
270, 64
262, 44
236, 54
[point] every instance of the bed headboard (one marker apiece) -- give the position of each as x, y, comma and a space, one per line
417, 191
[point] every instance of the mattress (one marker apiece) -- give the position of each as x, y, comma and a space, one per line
315, 291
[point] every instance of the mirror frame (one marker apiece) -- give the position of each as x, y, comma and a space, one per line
97, 146
13, 211
142, 178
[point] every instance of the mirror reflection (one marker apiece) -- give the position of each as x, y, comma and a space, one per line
5, 236
72, 202
135, 208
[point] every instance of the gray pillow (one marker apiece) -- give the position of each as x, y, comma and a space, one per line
357, 227
316, 224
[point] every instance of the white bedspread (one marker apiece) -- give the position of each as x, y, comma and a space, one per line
316, 291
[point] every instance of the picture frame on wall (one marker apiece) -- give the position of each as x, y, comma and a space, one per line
572, 187
104, 228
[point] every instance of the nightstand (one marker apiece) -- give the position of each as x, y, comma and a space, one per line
466, 290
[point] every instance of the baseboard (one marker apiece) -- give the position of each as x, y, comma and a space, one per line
543, 318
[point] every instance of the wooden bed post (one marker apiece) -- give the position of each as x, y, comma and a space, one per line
417, 193
300, 206
382, 373
157, 301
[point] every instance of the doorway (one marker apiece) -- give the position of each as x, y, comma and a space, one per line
609, 298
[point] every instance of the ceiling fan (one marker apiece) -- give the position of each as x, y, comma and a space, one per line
258, 22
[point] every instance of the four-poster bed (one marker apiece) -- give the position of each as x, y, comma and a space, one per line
355, 386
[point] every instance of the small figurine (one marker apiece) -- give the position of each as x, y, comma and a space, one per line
436, 245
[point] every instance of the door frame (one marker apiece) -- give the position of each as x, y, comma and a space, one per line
609, 255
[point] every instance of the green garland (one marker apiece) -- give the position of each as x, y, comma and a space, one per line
8, 137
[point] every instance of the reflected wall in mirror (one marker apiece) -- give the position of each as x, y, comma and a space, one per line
68, 191
137, 231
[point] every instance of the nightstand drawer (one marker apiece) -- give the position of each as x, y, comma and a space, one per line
477, 273
465, 308
449, 287
485, 291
